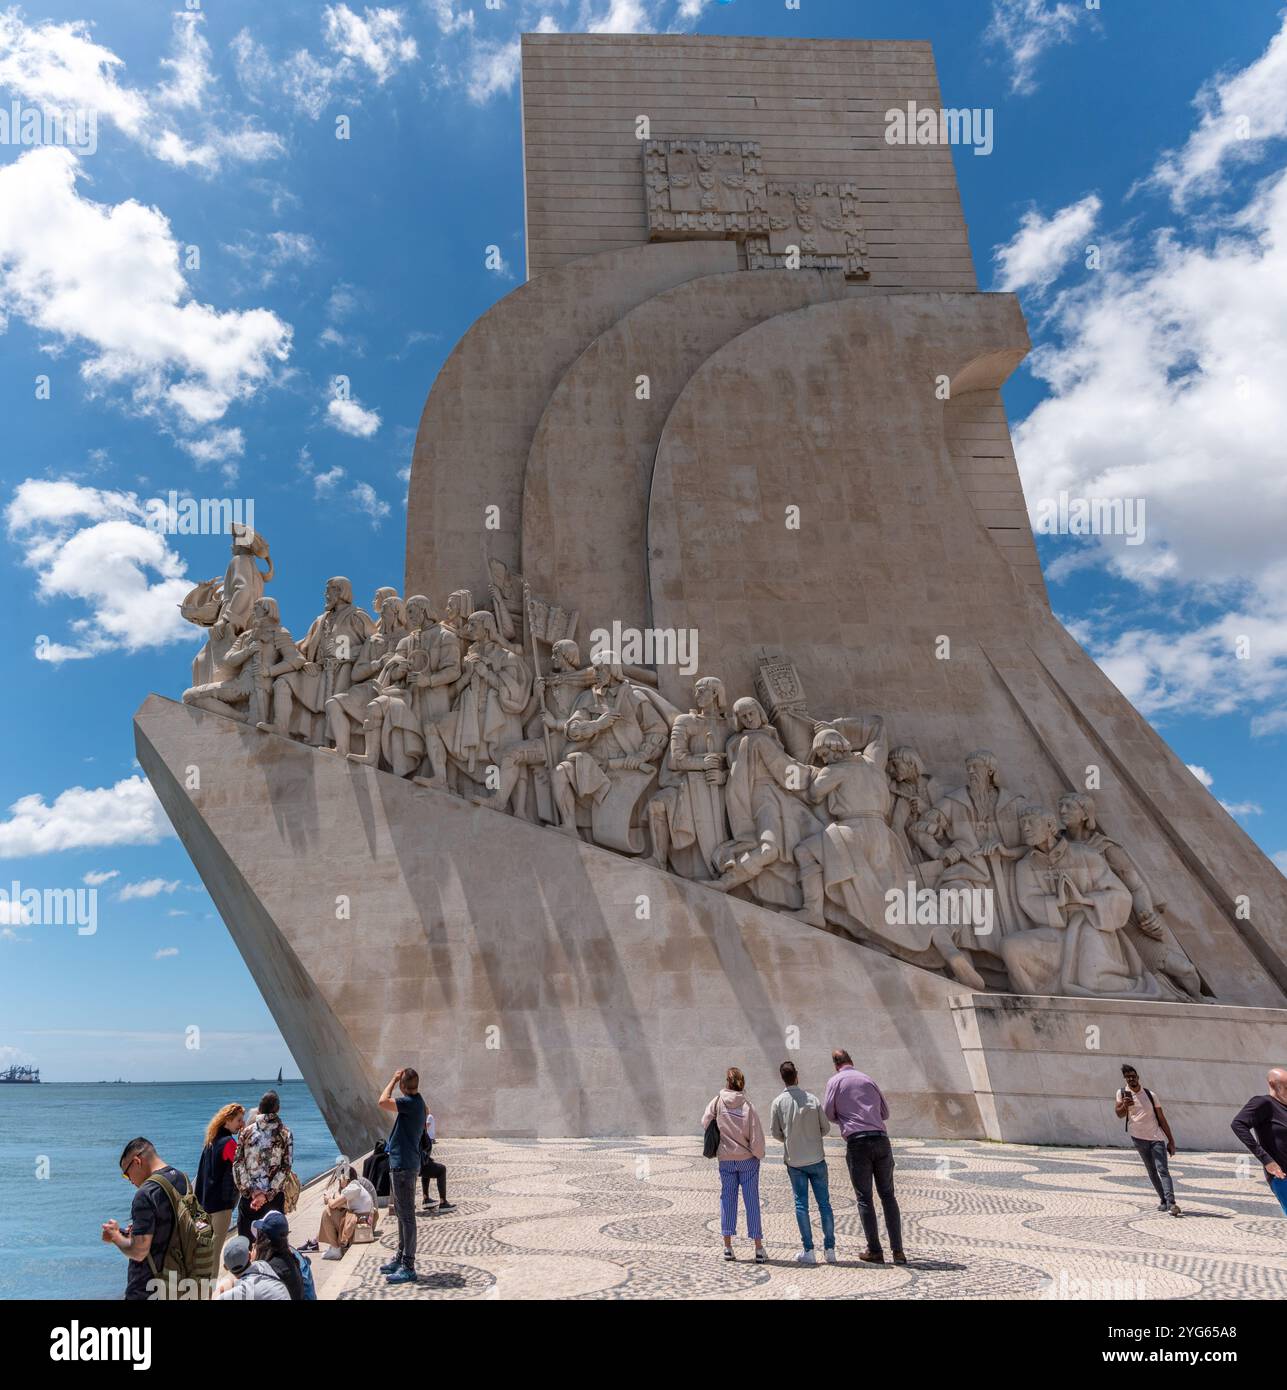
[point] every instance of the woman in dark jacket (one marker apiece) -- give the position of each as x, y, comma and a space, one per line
216, 1190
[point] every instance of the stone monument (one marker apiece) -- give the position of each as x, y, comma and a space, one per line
765, 739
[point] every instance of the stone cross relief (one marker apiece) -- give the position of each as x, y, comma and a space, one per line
761, 799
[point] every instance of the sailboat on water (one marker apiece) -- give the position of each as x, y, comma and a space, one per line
279, 1076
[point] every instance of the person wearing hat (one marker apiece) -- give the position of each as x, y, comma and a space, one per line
272, 1247
252, 1279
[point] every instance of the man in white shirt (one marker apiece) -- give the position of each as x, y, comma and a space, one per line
341, 1213
1146, 1124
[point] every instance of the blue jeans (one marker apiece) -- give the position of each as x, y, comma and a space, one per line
802, 1179
1279, 1188
1153, 1152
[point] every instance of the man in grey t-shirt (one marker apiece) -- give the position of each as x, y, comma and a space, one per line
798, 1121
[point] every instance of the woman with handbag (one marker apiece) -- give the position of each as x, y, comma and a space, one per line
741, 1147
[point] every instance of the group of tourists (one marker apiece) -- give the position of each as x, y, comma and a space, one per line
177, 1240
177, 1232
855, 1104
799, 1121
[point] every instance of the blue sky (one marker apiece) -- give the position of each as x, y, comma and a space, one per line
191, 287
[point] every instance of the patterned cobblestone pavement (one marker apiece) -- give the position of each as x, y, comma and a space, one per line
639, 1218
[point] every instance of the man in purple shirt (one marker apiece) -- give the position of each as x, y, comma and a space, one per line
854, 1102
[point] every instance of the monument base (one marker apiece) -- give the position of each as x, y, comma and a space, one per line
545, 987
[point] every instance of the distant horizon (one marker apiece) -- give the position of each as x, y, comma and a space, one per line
159, 1081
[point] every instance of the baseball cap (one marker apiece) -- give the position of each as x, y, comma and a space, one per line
271, 1224
236, 1254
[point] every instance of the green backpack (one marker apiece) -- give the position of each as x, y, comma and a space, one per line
191, 1253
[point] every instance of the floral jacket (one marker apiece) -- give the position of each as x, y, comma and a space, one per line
265, 1150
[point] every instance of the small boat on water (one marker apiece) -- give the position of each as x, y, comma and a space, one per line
279, 1075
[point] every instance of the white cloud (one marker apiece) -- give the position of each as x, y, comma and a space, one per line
107, 278
96, 878
492, 68
148, 888
92, 546
324, 483
216, 446
1026, 29
1038, 253
1164, 375
1234, 808
84, 818
374, 39
190, 76
349, 416
451, 20
619, 17
372, 43
60, 66
1240, 112
367, 500
166, 952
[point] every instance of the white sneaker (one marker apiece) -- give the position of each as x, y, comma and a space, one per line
333, 1252
806, 1257
830, 1255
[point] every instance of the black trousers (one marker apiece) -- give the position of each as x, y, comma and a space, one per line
245, 1215
437, 1171
871, 1157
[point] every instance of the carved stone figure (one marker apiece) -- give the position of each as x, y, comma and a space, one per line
972, 942
847, 868
983, 818
911, 790
766, 819
348, 711
1078, 909
615, 736
488, 703
257, 656
687, 817
432, 650
329, 648
556, 694
225, 606
1152, 938
392, 728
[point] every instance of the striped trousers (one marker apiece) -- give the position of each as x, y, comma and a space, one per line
741, 1173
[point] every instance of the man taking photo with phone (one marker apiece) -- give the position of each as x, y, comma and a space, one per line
1150, 1133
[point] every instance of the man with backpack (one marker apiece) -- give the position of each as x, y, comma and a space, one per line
1146, 1124
169, 1241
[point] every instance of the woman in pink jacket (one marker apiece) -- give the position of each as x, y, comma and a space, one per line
741, 1146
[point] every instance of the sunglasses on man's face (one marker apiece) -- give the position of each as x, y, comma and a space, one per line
125, 1172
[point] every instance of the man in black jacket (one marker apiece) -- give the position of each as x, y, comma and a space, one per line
1261, 1125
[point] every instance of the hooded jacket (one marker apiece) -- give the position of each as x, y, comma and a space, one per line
741, 1135
256, 1283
